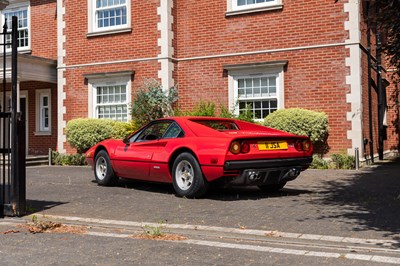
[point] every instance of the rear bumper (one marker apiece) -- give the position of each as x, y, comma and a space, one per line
268, 163
265, 172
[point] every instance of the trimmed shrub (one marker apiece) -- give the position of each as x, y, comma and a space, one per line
319, 163
67, 159
302, 122
336, 161
203, 109
207, 108
83, 133
343, 161
151, 102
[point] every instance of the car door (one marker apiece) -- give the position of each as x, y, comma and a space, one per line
159, 168
133, 159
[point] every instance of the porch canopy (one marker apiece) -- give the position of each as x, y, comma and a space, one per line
31, 68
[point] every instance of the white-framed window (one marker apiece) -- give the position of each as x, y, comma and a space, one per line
109, 15
43, 111
257, 94
256, 88
111, 102
244, 6
22, 12
109, 98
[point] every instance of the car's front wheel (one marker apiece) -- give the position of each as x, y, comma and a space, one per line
103, 171
187, 177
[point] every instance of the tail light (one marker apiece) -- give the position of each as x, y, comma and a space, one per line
235, 147
302, 145
306, 145
239, 147
245, 147
298, 145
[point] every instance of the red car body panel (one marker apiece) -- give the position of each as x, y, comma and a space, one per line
152, 160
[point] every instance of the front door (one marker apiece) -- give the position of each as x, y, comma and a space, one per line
23, 105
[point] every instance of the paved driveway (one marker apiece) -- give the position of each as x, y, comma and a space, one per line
363, 203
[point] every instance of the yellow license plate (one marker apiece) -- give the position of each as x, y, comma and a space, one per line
272, 145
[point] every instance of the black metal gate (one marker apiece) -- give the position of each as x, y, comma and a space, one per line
12, 133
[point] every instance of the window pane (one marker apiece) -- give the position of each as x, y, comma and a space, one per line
111, 102
241, 83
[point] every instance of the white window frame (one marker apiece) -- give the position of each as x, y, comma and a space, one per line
234, 9
93, 30
40, 127
16, 7
251, 71
95, 81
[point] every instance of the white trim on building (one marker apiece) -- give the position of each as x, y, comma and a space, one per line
61, 81
165, 44
354, 98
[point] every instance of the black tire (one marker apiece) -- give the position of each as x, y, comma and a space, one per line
187, 177
272, 187
103, 171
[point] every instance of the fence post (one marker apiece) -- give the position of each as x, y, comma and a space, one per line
357, 158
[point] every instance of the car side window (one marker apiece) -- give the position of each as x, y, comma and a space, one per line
173, 131
153, 132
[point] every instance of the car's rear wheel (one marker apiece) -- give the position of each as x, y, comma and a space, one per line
103, 171
272, 187
187, 177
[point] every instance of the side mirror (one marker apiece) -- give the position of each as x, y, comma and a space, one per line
126, 141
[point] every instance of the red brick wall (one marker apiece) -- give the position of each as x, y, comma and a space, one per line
44, 28
39, 144
140, 43
203, 29
393, 119
392, 132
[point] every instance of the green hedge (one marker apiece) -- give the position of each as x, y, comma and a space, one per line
68, 159
83, 133
301, 122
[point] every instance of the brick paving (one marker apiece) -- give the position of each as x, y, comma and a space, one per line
364, 203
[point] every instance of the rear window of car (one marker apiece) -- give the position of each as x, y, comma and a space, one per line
218, 124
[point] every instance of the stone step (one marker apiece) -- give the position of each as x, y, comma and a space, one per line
37, 160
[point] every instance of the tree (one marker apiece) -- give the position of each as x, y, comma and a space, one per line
387, 16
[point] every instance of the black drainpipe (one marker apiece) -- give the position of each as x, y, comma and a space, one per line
371, 134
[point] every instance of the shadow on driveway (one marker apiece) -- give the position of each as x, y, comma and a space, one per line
215, 193
369, 197
34, 206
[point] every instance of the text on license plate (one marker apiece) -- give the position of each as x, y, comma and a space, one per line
272, 145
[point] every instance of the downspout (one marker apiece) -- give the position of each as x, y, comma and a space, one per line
381, 107
371, 134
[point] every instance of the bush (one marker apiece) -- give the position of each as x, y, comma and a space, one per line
343, 161
67, 159
207, 108
302, 122
319, 163
337, 161
151, 102
203, 109
247, 114
83, 133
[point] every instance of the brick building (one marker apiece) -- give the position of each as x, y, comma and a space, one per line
272, 54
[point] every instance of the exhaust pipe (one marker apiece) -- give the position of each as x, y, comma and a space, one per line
292, 174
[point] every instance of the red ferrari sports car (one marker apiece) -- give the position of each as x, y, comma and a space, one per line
193, 152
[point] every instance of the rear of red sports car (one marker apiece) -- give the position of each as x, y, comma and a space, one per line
257, 155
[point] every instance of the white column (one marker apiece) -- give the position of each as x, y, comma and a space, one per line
165, 43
